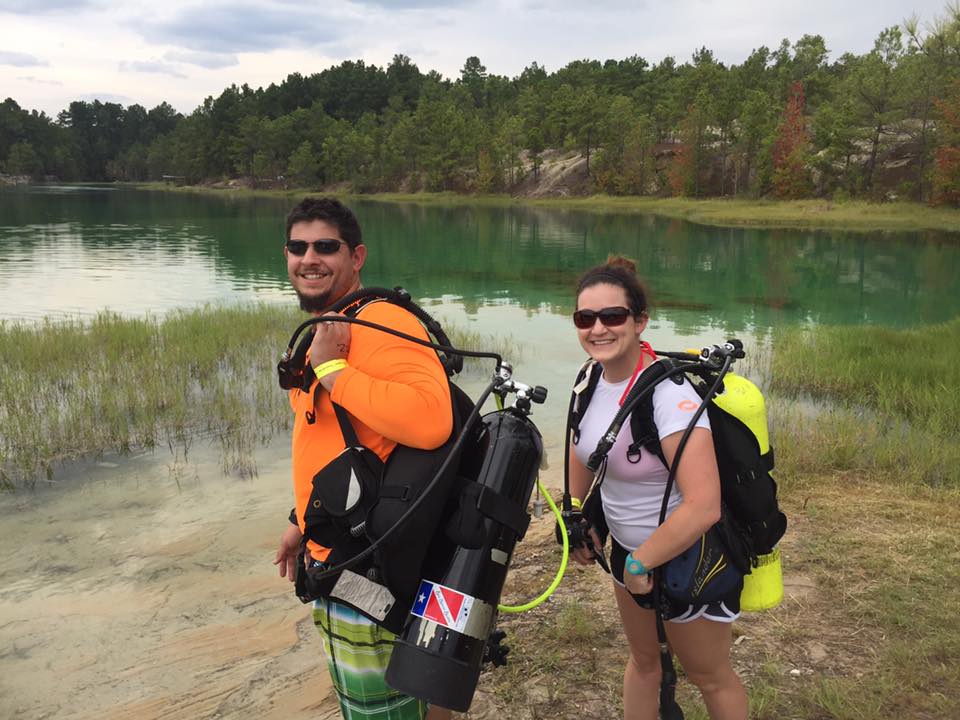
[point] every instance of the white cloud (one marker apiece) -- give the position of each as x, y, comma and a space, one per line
243, 27
41, 7
40, 81
18, 59
413, 4
151, 66
106, 97
211, 61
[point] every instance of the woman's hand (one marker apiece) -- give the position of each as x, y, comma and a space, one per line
638, 584
583, 555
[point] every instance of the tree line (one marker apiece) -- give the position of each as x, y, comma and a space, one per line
785, 123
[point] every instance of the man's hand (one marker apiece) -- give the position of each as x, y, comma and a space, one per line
331, 340
286, 556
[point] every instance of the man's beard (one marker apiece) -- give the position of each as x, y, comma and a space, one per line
314, 303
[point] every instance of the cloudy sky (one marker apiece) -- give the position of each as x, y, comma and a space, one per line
55, 51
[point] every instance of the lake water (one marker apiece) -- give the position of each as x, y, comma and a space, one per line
77, 250
68, 251
141, 587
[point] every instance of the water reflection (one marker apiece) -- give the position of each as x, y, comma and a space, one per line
75, 251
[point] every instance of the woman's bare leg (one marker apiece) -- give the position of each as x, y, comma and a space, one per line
703, 648
641, 678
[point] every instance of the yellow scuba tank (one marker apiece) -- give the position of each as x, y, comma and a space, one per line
763, 587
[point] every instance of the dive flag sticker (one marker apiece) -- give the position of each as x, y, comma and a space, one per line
444, 606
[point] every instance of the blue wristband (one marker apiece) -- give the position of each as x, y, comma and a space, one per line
634, 566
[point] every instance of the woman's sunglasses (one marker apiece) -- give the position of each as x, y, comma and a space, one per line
609, 317
320, 247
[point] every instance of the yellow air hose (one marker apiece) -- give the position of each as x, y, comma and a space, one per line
563, 562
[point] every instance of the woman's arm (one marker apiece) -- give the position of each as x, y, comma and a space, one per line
580, 481
580, 477
699, 482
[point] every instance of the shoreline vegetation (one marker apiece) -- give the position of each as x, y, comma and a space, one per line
140, 383
857, 215
875, 400
76, 389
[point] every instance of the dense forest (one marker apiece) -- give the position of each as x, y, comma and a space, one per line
785, 123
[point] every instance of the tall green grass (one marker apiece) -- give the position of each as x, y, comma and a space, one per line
869, 398
78, 388
74, 389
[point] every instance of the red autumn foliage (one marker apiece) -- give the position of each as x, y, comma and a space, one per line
946, 160
791, 148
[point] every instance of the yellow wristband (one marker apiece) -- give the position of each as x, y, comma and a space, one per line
330, 366
575, 502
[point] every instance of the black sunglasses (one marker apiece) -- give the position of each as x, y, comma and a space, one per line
609, 317
327, 246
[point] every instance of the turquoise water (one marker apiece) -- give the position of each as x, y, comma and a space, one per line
501, 271
77, 250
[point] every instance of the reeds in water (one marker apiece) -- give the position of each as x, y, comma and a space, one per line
72, 389
870, 398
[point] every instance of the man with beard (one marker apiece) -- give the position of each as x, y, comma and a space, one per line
395, 392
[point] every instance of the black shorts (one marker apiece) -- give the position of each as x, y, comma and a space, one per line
727, 610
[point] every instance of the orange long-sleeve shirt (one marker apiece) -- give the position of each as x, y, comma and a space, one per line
395, 391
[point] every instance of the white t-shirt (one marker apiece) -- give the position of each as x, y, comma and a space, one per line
633, 492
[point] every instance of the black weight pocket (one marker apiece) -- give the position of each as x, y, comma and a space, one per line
466, 526
343, 492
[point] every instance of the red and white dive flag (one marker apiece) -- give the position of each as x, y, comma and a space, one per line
444, 606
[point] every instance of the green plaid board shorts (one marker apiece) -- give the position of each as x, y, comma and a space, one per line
358, 651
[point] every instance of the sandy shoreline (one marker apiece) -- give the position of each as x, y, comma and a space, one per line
124, 596
143, 588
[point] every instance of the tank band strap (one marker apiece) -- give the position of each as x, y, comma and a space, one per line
503, 510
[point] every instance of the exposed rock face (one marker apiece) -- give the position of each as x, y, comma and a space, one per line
561, 174
896, 176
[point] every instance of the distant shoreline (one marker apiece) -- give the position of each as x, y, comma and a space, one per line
901, 216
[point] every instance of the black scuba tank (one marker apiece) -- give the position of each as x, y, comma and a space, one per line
438, 657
